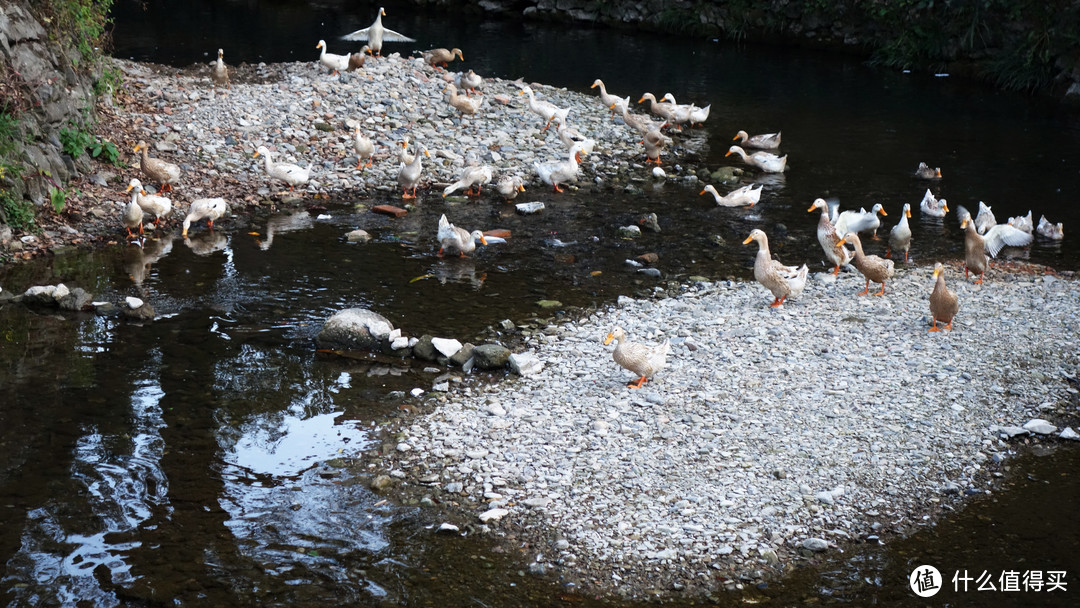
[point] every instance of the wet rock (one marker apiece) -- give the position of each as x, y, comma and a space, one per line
1069, 433
78, 299
491, 356
354, 329
44, 295
629, 232
358, 236
463, 355
142, 312
815, 544
424, 349
548, 303
106, 309
381, 483
447, 528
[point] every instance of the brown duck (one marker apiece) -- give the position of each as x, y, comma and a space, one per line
873, 267
943, 302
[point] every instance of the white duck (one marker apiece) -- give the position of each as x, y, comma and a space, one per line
680, 112
606, 98
985, 219
209, 209
468, 81
364, 148
654, 142
662, 109
1051, 231
765, 141
472, 177
900, 235
457, 240
747, 196
766, 161
289, 173
157, 205
376, 34
638, 122
698, 116
861, 220
932, 206
545, 109
828, 237
336, 63
560, 172
409, 174
783, 281
133, 215
1023, 222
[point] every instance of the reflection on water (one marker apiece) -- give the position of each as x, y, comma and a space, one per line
70, 546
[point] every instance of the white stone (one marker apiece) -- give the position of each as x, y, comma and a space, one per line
416, 392
447, 346
133, 302
493, 515
1040, 426
525, 364
399, 343
1069, 433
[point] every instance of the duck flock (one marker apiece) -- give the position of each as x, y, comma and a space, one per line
837, 230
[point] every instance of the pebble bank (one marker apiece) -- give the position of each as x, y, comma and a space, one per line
772, 434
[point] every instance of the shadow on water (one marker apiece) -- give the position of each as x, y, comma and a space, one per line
212, 458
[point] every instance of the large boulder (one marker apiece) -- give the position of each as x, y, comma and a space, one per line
354, 329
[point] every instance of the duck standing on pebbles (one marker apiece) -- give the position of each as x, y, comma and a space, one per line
473, 177
441, 57
829, 238
219, 72
461, 103
291, 174
209, 209
560, 172
409, 174
375, 34
900, 235
158, 205
654, 144
133, 215
782, 281
364, 148
544, 109
943, 302
874, 268
163, 173
642, 359
336, 63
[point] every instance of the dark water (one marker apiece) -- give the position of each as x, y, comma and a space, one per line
212, 458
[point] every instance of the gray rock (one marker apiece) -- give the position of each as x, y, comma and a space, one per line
78, 299
462, 356
142, 313
491, 356
1069, 433
354, 329
815, 544
381, 483
424, 349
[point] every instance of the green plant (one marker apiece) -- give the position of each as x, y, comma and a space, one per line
17, 213
58, 198
83, 22
77, 141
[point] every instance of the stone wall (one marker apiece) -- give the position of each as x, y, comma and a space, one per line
46, 93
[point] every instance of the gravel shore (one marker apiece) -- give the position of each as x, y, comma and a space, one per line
773, 434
